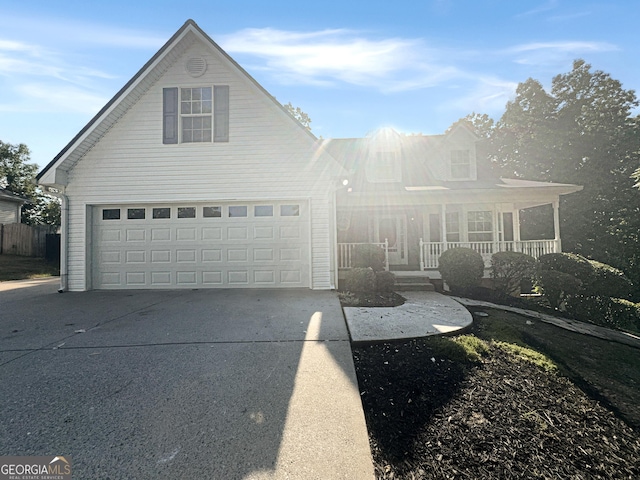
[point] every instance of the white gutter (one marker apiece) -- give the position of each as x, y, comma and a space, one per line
58, 191
64, 222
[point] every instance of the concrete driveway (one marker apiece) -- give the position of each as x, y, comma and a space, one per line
216, 384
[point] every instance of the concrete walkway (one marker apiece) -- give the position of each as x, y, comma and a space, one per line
566, 323
423, 314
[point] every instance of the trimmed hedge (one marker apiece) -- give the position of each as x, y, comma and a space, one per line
605, 311
368, 256
561, 275
608, 281
462, 268
361, 280
508, 269
385, 282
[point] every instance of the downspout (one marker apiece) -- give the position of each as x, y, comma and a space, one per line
64, 229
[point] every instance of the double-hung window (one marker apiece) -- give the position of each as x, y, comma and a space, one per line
460, 165
480, 226
195, 114
196, 109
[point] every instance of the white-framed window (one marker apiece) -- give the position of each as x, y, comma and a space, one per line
460, 165
196, 114
480, 226
452, 224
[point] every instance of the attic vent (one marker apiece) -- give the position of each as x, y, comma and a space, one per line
196, 66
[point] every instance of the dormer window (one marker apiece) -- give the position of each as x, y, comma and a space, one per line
460, 165
385, 167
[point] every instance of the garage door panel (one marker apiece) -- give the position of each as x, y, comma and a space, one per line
187, 277
212, 255
237, 233
238, 277
135, 256
136, 235
263, 233
186, 256
160, 256
185, 234
110, 257
136, 278
161, 234
212, 277
211, 233
263, 255
205, 251
161, 279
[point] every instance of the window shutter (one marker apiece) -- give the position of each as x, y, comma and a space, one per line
221, 113
170, 115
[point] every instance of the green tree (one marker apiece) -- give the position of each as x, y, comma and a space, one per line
299, 115
18, 176
582, 132
480, 123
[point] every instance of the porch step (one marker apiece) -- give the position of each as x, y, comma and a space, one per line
412, 283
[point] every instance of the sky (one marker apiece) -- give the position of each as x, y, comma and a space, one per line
353, 66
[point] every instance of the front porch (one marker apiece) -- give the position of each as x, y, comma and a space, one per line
430, 253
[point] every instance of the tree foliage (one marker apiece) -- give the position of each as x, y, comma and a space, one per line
299, 115
18, 176
583, 132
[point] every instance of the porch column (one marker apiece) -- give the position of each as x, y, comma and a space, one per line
556, 224
516, 224
443, 225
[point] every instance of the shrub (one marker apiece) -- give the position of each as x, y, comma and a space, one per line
608, 281
560, 275
368, 256
508, 269
385, 282
570, 263
556, 286
361, 280
462, 268
605, 311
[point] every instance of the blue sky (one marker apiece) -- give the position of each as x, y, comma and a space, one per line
352, 66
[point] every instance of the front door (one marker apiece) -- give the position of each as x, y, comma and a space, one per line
393, 228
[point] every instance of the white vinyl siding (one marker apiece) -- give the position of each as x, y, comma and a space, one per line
269, 159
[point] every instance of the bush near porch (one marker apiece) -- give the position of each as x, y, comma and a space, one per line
368, 284
569, 284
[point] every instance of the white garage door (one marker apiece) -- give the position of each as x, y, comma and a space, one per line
260, 244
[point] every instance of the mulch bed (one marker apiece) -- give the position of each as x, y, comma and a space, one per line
431, 417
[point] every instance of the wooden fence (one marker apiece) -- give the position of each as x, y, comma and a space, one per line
24, 240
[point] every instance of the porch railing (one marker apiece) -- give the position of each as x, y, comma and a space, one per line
345, 253
430, 251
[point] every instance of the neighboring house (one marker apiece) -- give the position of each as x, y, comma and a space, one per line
417, 196
10, 206
193, 176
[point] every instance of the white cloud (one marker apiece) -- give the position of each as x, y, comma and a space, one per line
47, 97
329, 57
487, 95
549, 53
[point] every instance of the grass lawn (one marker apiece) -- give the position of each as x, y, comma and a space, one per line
13, 267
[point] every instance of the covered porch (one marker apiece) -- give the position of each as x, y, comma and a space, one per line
414, 237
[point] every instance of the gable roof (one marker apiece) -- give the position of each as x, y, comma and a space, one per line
8, 196
136, 87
